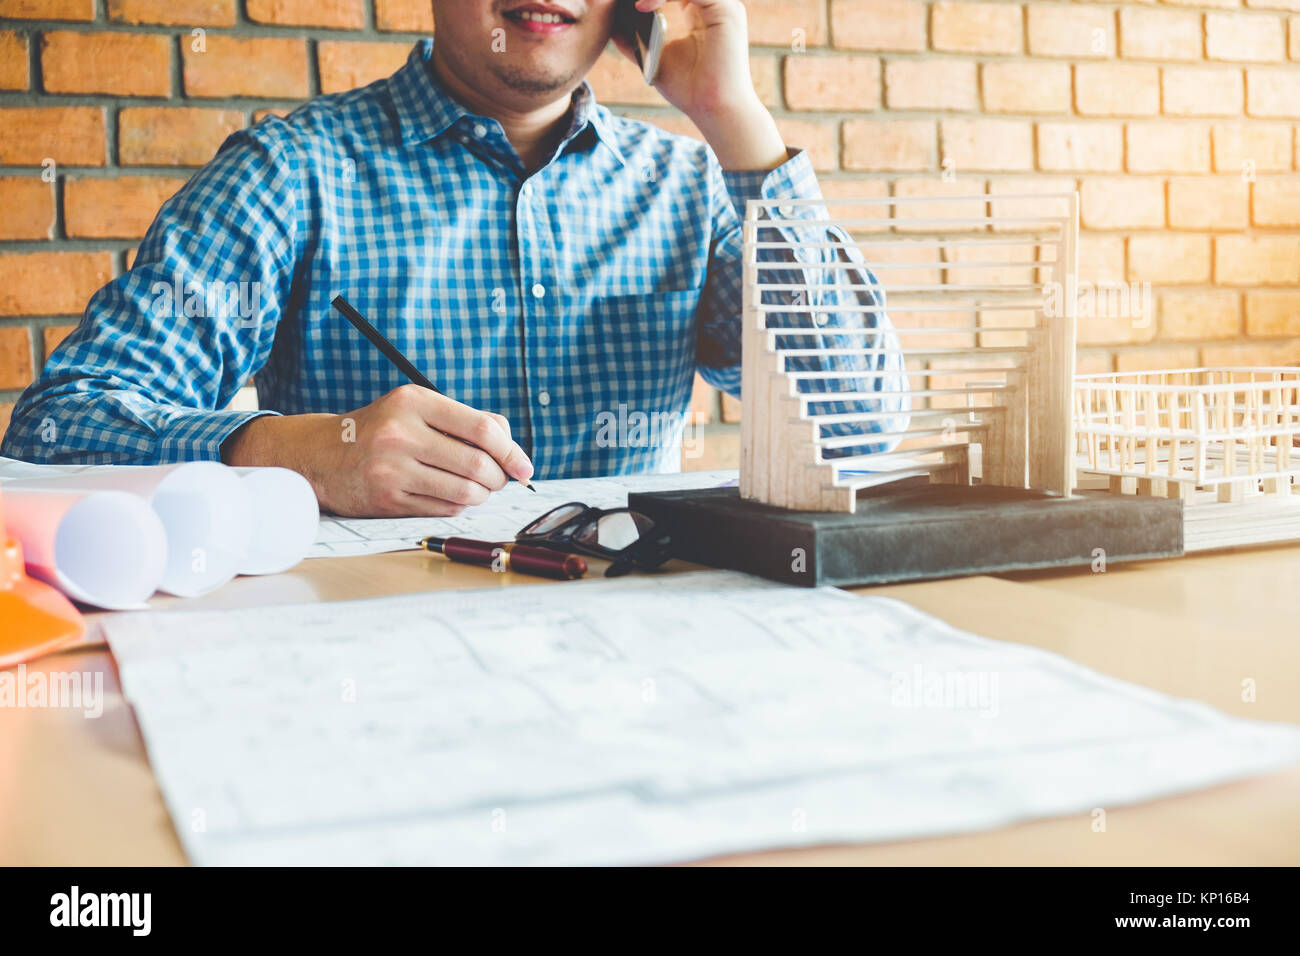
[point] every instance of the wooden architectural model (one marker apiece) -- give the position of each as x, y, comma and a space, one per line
1229, 430
982, 292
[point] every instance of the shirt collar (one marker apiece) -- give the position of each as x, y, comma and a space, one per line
425, 110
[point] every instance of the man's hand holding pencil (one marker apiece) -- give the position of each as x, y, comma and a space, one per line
413, 452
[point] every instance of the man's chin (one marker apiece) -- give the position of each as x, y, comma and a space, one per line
534, 81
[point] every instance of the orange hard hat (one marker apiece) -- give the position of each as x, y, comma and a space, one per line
34, 618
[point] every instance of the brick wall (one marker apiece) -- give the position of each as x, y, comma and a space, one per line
1176, 120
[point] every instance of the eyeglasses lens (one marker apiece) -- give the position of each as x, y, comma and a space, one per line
616, 531
553, 519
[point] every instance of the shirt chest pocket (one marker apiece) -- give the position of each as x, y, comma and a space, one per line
644, 345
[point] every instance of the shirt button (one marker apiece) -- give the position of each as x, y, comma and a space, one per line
539, 290
480, 130
543, 398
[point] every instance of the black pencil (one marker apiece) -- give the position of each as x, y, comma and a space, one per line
391, 353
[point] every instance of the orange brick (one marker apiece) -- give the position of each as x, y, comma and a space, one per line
1275, 201
1110, 328
1257, 260
404, 16
893, 25
1167, 148
1169, 258
70, 135
28, 204
986, 144
1273, 92
259, 115
1028, 186
766, 75
1027, 87
235, 67
775, 22
348, 65
1000, 265
338, 14
1147, 34
1264, 146
51, 283
1255, 353
48, 9
1243, 36
124, 64
1221, 3
52, 335
1101, 257
1150, 360
1116, 89
119, 208
1273, 313
890, 144
13, 60
842, 82
1197, 91
173, 136
930, 85
821, 140
183, 13
856, 187
959, 208
1071, 30
15, 357
962, 27
1088, 147
1200, 315
1208, 202
1117, 203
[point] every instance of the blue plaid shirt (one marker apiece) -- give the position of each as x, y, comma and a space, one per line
577, 301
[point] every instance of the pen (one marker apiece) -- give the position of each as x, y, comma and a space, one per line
391, 353
509, 556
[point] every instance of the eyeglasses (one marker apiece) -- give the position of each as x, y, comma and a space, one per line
626, 538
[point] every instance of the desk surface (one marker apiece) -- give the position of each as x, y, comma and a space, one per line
80, 792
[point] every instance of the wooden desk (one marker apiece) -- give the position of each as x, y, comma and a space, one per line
80, 792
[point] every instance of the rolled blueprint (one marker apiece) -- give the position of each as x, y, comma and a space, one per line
106, 548
285, 517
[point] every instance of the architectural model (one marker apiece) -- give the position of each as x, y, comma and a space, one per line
981, 291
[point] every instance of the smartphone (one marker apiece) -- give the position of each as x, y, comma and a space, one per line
645, 33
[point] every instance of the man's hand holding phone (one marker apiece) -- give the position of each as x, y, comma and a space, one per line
705, 74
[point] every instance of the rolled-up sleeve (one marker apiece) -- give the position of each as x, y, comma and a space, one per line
147, 375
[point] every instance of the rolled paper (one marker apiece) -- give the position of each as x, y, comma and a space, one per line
106, 548
285, 518
203, 506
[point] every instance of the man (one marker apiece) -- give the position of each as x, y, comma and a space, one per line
551, 267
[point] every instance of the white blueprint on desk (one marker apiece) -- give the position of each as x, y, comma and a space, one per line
634, 721
501, 516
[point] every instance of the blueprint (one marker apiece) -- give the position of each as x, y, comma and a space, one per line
501, 516
633, 721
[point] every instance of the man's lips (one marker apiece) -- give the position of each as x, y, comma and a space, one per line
540, 18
